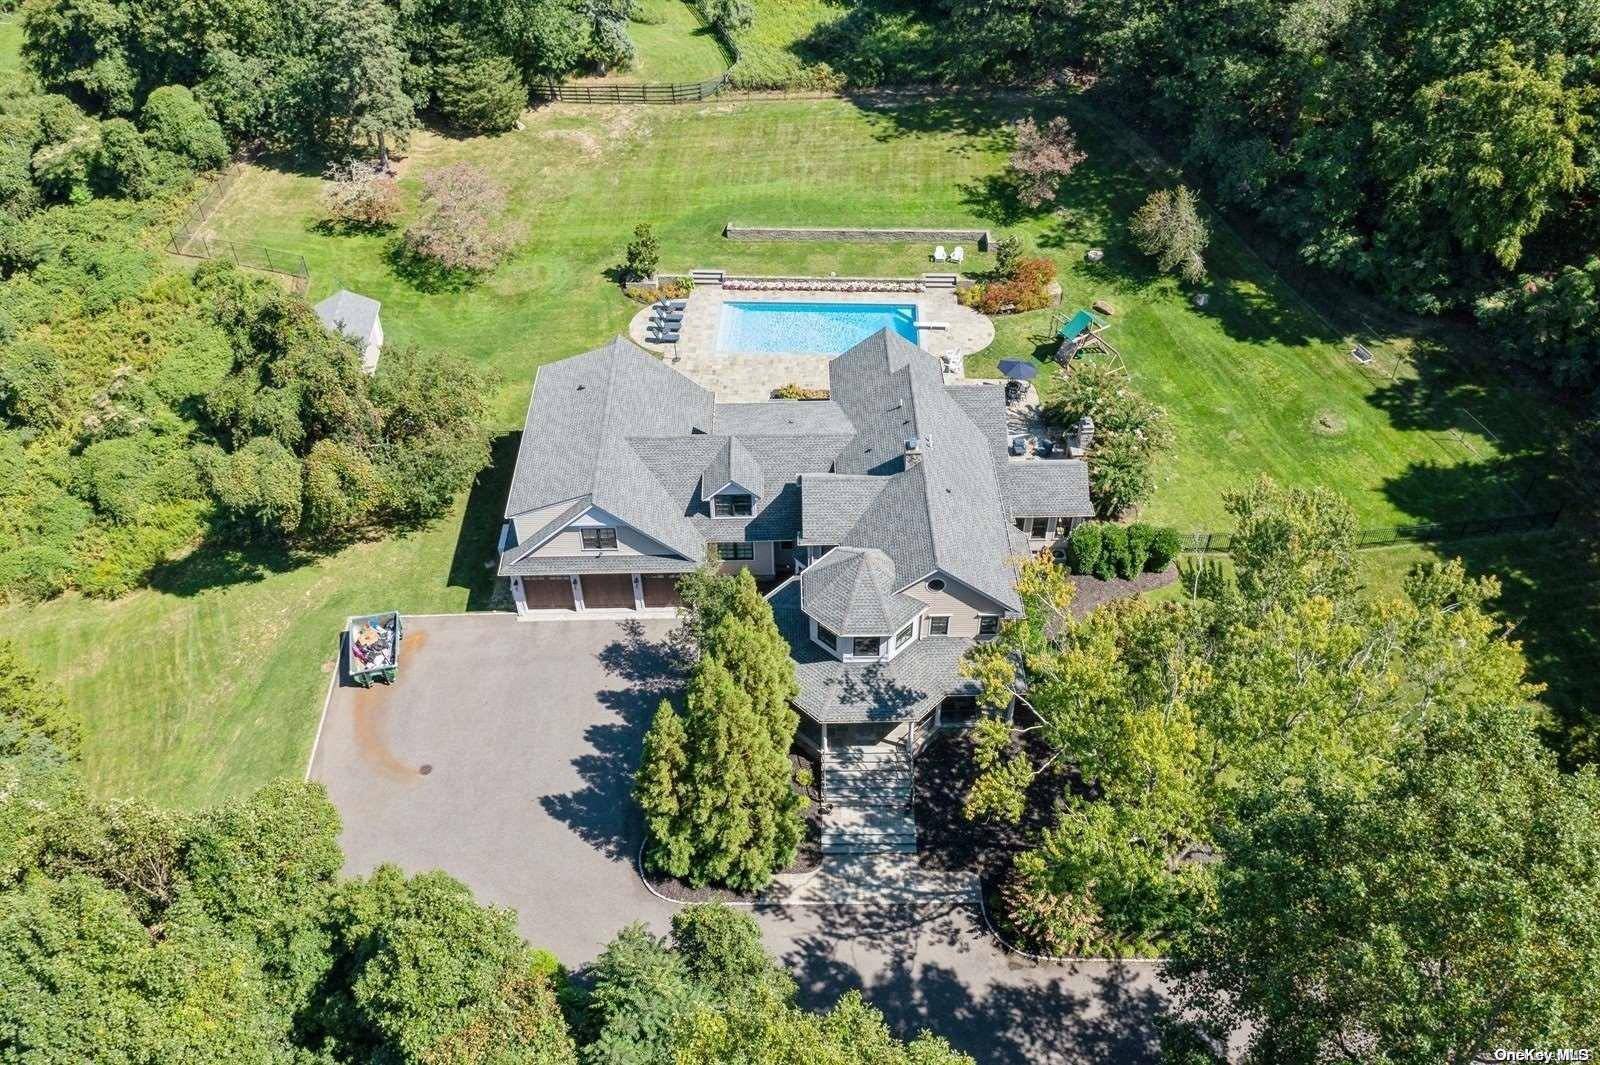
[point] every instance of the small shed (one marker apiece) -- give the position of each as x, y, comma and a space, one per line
355, 316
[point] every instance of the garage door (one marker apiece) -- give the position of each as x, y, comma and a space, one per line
547, 593
661, 591
607, 591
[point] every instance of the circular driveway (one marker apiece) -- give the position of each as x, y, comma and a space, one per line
530, 733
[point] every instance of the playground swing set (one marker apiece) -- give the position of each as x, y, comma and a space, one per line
1084, 331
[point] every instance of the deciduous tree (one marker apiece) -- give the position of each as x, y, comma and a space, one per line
1043, 159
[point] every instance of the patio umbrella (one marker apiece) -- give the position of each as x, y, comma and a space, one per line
1017, 370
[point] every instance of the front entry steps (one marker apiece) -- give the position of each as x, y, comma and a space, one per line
869, 790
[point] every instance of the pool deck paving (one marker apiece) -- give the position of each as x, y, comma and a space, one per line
743, 377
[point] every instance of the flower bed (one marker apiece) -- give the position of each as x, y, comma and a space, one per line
820, 284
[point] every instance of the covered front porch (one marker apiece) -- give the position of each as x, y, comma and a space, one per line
909, 734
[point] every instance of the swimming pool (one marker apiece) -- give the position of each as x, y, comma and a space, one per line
810, 328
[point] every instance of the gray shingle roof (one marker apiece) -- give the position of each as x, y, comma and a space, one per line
731, 462
782, 417
575, 441
894, 392
1047, 487
610, 562
852, 591
903, 688
832, 503
676, 461
350, 313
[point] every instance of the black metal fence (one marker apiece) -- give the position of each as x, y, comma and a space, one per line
189, 237
1426, 532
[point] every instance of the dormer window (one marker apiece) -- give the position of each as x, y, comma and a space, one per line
732, 506
599, 539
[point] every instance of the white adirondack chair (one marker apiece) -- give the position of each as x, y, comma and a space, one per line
959, 255
938, 253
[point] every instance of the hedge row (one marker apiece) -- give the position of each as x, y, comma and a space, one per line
1105, 551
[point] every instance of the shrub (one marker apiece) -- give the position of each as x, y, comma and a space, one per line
1084, 547
360, 196
730, 16
1140, 536
1131, 434
1165, 546
124, 166
1005, 297
174, 121
644, 253
1113, 560
1007, 254
1035, 271
794, 391
675, 288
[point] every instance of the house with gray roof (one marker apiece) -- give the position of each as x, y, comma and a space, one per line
887, 520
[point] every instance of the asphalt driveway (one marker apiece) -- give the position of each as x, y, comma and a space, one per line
504, 755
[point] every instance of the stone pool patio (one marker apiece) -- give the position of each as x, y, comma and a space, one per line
741, 377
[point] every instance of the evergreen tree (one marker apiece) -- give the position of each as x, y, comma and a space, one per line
659, 791
747, 640
364, 65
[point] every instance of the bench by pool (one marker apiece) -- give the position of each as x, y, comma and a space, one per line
812, 328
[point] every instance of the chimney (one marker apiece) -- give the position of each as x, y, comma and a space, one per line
913, 452
1083, 434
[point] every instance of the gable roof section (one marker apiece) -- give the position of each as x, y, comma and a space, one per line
350, 313
731, 463
676, 463
575, 442
852, 591
945, 511
782, 417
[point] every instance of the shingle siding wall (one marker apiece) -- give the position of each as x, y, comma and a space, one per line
956, 600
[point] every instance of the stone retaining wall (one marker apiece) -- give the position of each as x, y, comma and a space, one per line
979, 237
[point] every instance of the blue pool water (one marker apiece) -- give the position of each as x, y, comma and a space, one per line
810, 328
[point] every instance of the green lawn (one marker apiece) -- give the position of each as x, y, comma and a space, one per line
10, 45
211, 682
671, 44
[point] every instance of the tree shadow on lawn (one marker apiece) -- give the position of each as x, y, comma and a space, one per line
423, 274
473, 564
222, 564
602, 812
1025, 1012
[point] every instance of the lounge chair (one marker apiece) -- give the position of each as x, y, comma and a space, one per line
938, 253
959, 255
667, 316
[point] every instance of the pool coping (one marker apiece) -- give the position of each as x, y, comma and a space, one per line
732, 299
740, 377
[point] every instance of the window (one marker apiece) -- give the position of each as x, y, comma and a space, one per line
732, 506
1063, 526
735, 551
939, 625
827, 638
599, 539
904, 636
1040, 527
936, 585
988, 625
866, 646
1022, 523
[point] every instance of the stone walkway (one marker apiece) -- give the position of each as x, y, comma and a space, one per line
737, 377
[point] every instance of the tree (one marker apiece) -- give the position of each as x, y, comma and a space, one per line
1486, 154
644, 253
1556, 321
1007, 254
125, 166
722, 952
1291, 543
733, 815
173, 121
474, 88
729, 16
360, 196
640, 990
1131, 434
660, 791
747, 640
365, 66
1447, 912
463, 228
1042, 159
1168, 226
33, 706
79, 49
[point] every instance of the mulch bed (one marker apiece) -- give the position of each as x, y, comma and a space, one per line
807, 858
1092, 591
